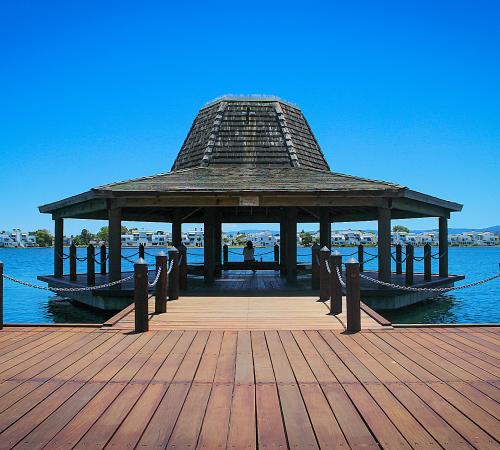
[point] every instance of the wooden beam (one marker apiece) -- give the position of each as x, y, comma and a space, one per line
417, 207
325, 229
291, 244
58, 247
384, 244
86, 207
208, 251
115, 244
443, 247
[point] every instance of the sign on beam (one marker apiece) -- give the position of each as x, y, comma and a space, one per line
249, 200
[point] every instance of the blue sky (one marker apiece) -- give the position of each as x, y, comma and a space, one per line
95, 92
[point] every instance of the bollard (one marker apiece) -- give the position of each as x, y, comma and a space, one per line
103, 259
161, 286
409, 264
72, 262
324, 277
90, 265
353, 296
142, 251
225, 255
399, 259
427, 262
315, 266
361, 257
1, 295
276, 256
141, 296
183, 272
173, 281
335, 286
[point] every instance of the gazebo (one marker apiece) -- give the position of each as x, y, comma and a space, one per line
250, 160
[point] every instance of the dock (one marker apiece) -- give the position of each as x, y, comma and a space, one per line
103, 387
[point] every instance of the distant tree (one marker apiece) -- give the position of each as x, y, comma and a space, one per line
103, 234
84, 238
306, 238
400, 229
43, 238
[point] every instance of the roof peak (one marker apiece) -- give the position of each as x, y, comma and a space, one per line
248, 98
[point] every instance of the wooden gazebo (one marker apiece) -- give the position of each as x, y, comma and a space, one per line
250, 160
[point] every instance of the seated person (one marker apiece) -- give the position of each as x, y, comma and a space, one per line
249, 253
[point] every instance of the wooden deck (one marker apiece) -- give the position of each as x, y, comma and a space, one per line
414, 388
244, 313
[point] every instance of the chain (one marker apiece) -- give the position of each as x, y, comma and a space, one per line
63, 256
396, 260
342, 283
370, 254
328, 267
88, 288
438, 255
413, 289
153, 284
170, 267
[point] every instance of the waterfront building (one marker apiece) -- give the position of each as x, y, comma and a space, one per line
17, 238
147, 238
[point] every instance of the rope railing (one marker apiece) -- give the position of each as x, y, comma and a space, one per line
339, 275
158, 273
55, 289
328, 267
437, 290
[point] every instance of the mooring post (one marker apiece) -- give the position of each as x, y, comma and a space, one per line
409, 264
141, 296
399, 259
72, 262
173, 282
324, 277
361, 257
335, 286
1, 295
103, 259
90, 265
142, 251
276, 256
353, 296
161, 286
183, 273
427, 262
225, 255
315, 266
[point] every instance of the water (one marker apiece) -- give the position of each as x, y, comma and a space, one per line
478, 304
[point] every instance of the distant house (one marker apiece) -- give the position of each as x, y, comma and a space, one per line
17, 238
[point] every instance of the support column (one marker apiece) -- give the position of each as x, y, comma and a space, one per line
209, 247
325, 229
176, 233
218, 245
291, 245
115, 244
58, 247
384, 244
443, 247
283, 246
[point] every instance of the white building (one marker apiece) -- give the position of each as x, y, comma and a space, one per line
17, 238
147, 238
193, 238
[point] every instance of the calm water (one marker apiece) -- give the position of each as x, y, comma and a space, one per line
478, 304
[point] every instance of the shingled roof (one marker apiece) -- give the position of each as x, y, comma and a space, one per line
251, 132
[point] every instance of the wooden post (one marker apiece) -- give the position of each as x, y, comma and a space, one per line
443, 247
283, 240
58, 247
103, 259
161, 286
225, 255
183, 273
1, 295
115, 245
72, 262
173, 282
90, 265
409, 264
176, 232
276, 256
325, 229
142, 251
399, 259
324, 277
361, 257
427, 262
141, 296
291, 245
208, 251
384, 244
353, 300
315, 266
218, 245
335, 286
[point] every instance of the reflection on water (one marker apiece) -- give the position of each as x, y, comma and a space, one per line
63, 310
440, 309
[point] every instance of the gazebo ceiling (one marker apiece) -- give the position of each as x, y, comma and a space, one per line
250, 152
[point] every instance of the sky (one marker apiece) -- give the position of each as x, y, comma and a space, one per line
97, 92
